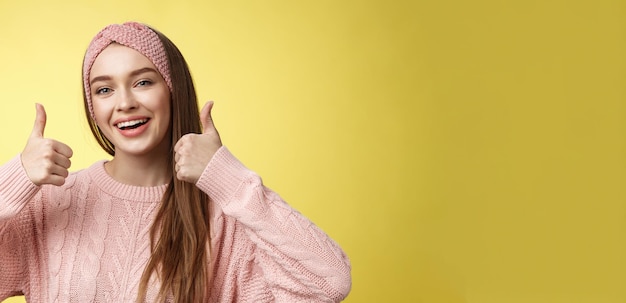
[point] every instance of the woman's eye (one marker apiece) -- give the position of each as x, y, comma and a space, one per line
143, 83
103, 90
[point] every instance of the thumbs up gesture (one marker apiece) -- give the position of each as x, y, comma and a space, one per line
194, 151
45, 160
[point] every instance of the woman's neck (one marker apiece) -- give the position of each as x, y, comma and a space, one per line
139, 170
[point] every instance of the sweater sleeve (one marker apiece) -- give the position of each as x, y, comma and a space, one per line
16, 190
293, 254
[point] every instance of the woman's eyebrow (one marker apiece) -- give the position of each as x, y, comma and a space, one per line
99, 78
142, 70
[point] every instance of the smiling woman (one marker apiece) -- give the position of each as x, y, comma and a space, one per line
173, 216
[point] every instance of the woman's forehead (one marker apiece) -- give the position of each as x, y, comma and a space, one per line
119, 59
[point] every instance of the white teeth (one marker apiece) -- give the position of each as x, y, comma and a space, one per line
131, 123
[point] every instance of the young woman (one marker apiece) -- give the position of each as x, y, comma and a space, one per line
173, 216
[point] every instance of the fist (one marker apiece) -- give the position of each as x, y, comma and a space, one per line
194, 151
46, 161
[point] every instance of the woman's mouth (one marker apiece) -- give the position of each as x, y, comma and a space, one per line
133, 127
131, 124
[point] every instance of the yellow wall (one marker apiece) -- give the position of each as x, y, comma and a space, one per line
459, 151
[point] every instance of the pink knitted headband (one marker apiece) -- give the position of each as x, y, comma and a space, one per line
131, 34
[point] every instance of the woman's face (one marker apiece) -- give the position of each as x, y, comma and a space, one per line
131, 102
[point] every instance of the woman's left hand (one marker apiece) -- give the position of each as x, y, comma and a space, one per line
193, 152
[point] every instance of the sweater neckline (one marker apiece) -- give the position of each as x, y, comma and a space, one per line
149, 194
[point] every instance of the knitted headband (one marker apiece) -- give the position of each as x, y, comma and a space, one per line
130, 34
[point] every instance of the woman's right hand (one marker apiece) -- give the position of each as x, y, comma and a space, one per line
46, 161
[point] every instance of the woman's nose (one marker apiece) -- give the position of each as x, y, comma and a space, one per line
126, 101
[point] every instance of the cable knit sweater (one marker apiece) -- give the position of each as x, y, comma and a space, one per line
88, 240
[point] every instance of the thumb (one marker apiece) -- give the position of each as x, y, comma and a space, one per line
40, 121
205, 117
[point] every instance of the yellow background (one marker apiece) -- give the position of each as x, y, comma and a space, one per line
459, 151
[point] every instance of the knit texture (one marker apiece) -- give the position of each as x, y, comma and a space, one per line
88, 240
130, 34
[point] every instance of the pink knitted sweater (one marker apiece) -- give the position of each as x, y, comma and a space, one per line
88, 240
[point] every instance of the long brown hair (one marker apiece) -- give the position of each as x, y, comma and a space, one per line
179, 234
